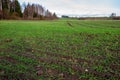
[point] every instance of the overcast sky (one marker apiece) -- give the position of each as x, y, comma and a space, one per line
80, 7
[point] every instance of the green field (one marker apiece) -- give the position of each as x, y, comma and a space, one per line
60, 50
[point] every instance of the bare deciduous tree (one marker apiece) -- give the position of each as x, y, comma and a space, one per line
1, 5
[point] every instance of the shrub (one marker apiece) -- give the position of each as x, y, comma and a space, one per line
15, 15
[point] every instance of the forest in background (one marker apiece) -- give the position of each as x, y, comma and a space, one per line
11, 9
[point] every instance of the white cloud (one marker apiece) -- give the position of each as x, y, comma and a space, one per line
78, 7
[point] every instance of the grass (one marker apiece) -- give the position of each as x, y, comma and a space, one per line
60, 50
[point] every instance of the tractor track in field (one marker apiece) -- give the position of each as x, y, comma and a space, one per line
68, 62
74, 66
73, 63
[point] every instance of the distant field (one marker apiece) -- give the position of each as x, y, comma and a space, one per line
60, 50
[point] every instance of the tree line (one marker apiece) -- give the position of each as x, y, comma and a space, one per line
11, 9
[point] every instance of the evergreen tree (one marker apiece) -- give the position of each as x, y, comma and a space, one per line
55, 16
15, 7
5, 4
18, 8
5, 8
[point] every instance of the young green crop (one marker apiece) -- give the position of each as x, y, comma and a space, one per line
60, 49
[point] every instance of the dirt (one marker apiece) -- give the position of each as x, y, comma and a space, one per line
114, 50
114, 66
64, 56
8, 58
60, 61
8, 40
47, 72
